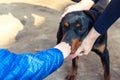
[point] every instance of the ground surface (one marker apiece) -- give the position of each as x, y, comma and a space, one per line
40, 24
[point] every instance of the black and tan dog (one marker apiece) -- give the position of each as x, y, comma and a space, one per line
73, 29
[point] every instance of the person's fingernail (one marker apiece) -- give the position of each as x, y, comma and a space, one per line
72, 56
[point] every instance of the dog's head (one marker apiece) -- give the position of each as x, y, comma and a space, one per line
74, 27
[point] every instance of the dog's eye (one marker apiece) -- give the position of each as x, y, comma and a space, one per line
77, 25
66, 24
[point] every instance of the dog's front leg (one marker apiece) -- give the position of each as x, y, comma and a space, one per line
73, 71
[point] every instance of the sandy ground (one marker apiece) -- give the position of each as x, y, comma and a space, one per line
35, 25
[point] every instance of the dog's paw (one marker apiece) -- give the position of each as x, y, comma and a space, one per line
71, 75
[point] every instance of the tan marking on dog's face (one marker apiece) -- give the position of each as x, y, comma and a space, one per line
75, 44
77, 25
66, 24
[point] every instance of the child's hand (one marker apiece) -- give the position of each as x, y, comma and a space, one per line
64, 47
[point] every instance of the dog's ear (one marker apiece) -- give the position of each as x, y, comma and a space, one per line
59, 33
92, 14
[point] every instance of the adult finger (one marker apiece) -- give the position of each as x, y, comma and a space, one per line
64, 13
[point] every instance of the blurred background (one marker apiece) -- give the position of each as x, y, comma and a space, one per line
31, 25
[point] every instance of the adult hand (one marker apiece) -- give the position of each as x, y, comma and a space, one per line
82, 5
87, 44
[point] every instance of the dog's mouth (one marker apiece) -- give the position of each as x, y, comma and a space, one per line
75, 43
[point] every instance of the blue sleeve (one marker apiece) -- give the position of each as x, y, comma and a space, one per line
108, 17
28, 66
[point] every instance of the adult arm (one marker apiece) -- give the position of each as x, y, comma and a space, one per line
109, 16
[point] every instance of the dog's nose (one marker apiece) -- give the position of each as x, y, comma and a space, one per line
74, 45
